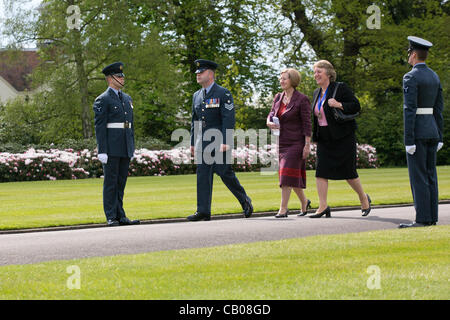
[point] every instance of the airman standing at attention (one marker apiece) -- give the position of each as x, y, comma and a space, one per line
423, 125
114, 130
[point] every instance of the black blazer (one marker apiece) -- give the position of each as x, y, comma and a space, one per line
350, 104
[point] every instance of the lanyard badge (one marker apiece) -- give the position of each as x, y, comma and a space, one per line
321, 100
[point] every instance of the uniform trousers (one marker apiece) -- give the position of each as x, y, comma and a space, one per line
423, 180
115, 173
205, 178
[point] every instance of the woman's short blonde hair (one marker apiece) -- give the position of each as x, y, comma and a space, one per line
329, 69
294, 76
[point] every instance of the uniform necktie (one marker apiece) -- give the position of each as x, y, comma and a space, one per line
120, 95
204, 93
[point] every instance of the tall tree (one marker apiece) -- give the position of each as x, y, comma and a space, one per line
371, 60
223, 31
76, 38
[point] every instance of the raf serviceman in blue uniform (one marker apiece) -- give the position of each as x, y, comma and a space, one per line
423, 126
213, 119
114, 130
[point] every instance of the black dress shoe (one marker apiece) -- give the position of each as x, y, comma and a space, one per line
198, 216
326, 212
125, 222
415, 225
112, 223
248, 208
367, 211
282, 215
308, 206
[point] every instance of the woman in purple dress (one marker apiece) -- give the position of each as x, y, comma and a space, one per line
293, 110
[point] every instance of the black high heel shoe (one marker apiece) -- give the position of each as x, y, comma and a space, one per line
282, 215
326, 212
367, 211
308, 206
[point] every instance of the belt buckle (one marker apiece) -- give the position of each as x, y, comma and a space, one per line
126, 125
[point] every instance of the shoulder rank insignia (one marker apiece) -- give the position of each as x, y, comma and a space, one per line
229, 106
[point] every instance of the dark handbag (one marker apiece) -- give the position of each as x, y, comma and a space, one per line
340, 116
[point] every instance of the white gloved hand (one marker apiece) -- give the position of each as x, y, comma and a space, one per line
103, 157
440, 145
411, 149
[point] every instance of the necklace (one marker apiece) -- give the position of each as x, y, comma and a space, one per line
286, 100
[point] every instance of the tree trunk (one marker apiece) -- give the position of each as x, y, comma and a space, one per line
313, 35
86, 117
324, 46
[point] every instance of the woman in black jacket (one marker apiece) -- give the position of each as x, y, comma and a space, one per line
336, 141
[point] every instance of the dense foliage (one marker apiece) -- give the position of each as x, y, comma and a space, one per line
250, 39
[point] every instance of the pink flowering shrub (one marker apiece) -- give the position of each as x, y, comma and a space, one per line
38, 165
56, 164
366, 156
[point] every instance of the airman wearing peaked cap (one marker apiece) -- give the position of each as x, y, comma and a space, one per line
114, 130
213, 114
423, 131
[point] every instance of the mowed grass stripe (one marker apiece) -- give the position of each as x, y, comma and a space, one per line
413, 264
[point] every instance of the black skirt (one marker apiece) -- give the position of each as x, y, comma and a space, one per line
336, 159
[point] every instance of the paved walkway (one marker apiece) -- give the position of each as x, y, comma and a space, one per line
34, 247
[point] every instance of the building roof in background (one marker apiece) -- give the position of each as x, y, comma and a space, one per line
17, 65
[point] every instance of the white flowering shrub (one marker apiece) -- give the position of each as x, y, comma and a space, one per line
56, 164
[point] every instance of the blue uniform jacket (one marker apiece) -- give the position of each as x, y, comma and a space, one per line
422, 89
215, 111
108, 108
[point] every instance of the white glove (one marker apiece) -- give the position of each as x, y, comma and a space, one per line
103, 157
411, 149
440, 145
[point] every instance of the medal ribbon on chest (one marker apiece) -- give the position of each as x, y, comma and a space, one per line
212, 103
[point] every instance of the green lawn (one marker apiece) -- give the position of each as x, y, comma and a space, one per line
68, 202
411, 264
